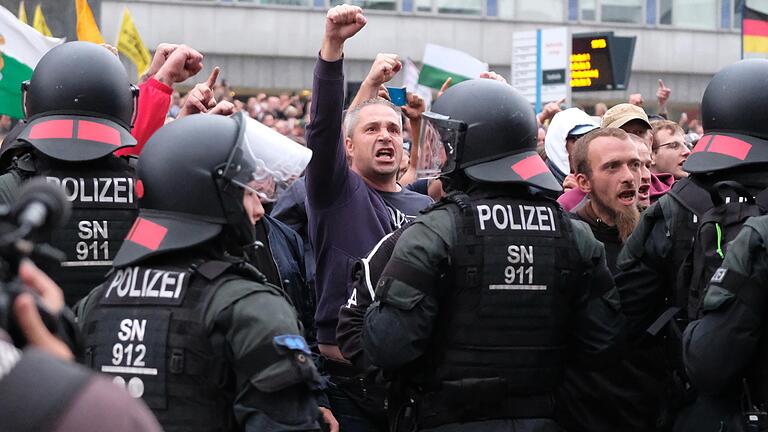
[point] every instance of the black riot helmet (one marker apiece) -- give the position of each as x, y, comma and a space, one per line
487, 131
81, 78
192, 175
733, 116
79, 103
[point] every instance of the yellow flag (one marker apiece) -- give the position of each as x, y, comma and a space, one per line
38, 22
87, 30
23, 13
129, 44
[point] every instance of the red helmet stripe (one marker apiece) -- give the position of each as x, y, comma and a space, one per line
530, 167
147, 233
92, 131
51, 129
729, 146
702, 144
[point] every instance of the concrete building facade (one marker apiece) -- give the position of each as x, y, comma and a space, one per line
272, 44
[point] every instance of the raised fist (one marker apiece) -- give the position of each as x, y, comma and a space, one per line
636, 99
343, 21
414, 106
384, 68
182, 63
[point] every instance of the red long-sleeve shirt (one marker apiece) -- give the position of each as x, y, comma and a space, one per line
154, 100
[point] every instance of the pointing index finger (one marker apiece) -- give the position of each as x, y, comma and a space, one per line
214, 76
661, 84
446, 84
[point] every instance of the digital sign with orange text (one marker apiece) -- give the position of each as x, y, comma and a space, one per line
591, 67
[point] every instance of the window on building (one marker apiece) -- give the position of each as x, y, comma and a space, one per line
622, 11
691, 13
463, 7
286, 2
365, 4
539, 10
588, 9
276, 2
665, 12
506, 8
423, 5
758, 5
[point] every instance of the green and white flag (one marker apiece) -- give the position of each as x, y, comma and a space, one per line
21, 47
440, 63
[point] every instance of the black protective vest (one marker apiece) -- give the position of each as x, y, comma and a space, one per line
104, 205
146, 329
694, 202
504, 313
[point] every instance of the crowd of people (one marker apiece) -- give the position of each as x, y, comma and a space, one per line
290, 263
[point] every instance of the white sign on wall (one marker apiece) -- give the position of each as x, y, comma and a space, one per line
540, 65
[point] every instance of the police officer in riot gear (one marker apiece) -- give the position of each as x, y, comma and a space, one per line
663, 274
725, 352
80, 107
183, 320
493, 291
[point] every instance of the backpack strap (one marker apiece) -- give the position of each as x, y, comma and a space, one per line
36, 392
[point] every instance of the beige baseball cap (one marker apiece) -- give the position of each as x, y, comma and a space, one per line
621, 114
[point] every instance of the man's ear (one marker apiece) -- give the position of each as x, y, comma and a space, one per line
653, 157
583, 183
348, 147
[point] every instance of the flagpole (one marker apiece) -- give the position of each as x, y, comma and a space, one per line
743, 5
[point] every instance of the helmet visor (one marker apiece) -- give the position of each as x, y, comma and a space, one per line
440, 141
264, 161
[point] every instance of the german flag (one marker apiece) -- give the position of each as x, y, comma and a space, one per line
754, 33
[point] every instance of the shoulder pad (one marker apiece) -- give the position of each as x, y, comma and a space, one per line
759, 223
586, 243
669, 210
459, 198
25, 163
214, 269
691, 196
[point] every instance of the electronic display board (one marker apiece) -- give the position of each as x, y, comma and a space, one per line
600, 61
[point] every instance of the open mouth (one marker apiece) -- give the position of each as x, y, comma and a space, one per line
643, 191
385, 155
682, 162
627, 197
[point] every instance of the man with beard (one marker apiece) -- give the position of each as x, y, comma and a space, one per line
610, 164
607, 168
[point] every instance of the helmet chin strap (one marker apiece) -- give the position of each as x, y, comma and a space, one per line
241, 232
